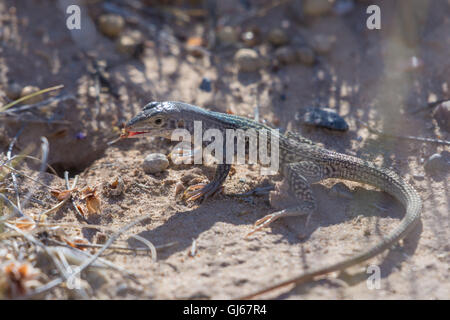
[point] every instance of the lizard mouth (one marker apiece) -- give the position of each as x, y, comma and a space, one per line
129, 134
135, 133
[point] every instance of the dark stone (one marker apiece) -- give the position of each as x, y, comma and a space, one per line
327, 118
206, 85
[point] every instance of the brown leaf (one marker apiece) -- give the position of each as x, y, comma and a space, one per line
93, 204
61, 195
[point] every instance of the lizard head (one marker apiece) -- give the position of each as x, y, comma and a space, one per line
155, 119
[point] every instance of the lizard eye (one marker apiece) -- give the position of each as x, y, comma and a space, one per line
158, 121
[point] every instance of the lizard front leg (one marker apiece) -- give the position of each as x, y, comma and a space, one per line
203, 190
298, 177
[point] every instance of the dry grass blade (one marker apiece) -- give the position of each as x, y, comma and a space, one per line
9, 105
44, 150
150, 245
108, 243
78, 209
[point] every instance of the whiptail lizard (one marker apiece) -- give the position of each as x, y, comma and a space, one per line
302, 163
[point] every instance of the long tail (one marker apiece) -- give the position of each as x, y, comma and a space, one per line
389, 182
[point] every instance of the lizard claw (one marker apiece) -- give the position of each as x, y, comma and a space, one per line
200, 190
262, 223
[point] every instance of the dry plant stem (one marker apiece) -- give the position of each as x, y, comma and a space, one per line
14, 178
430, 140
22, 119
150, 245
28, 157
157, 248
107, 244
44, 150
30, 238
39, 104
16, 210
26, 176
66, 177
9, 105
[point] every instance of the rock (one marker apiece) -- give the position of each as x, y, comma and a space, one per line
342, 7
317, 7
155, 162
205, 85
251, 37
306, 55
13, 90
442, 115
322, 44
248, 60
29, 90
438, 164
111, 25
327, 118
277, 37
131, 44
286, 55
227, 36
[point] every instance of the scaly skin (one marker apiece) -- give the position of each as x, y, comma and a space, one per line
302, 163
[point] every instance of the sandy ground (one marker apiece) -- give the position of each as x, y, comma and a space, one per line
366, 75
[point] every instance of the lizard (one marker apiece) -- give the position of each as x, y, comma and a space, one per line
302, 163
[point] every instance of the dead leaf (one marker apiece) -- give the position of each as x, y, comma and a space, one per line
61, 195
93, 204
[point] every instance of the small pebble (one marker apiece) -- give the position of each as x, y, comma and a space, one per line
438, 164
277, 37
111, 24
13, 90
29, 90
205, 85
441, 114
325, 117
80, 136
251, 37
317, 7
248, 60
342, 7
131, 44
227, 36
286, 55
155, 162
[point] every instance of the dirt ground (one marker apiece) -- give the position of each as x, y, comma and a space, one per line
367, 75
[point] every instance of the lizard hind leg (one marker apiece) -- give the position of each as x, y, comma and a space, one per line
299, 176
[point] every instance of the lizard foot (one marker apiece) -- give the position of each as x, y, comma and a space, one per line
201, 191
293, 211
